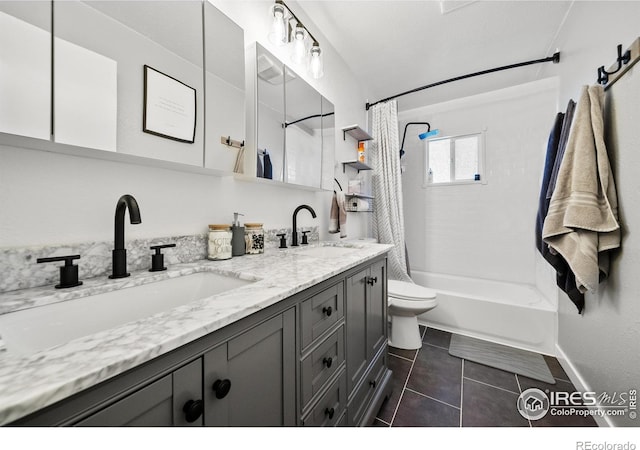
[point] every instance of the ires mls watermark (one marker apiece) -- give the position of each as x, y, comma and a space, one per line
534, 404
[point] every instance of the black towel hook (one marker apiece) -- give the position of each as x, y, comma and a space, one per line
338, 183
603, 75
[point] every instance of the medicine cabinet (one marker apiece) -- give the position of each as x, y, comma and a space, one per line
126, 77
289, 122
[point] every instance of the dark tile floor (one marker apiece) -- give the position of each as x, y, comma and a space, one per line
434, 389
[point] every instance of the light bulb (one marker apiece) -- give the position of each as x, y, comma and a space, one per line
278, 34
299, 47
315, 64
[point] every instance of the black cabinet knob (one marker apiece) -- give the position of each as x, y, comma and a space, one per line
372, 383
329, 412
327, 310
372, 280
193, 410
327, 361
221, 388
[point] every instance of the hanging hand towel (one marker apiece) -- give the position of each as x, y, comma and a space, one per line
239, 165
268, 169
259, 169
338, 215
582, 221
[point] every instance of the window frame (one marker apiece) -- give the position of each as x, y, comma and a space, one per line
452, 155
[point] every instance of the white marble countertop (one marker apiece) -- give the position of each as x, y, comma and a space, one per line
29, 383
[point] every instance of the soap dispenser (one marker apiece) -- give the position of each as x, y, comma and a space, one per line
237, 239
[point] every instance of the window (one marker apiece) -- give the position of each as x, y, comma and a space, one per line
454, 160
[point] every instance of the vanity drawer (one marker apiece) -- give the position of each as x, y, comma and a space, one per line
362, 398
321, 364
328, 412
320, 312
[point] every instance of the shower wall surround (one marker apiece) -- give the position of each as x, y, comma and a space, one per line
20, 270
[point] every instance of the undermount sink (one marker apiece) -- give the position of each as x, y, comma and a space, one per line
28, 331
325, 251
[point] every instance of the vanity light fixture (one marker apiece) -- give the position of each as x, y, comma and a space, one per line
278, 33
282, 33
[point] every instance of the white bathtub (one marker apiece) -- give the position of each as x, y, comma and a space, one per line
507, 313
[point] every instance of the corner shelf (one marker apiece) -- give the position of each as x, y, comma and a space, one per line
356, 165
355, 132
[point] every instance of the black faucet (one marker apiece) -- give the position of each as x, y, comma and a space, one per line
294, 233
119, 253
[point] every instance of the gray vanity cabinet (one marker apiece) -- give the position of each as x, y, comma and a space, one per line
317, 358
248, 380
164, 402
366, 317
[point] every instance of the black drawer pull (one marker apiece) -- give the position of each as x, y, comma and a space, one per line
372, 383
193, 410
327, 310
372, 280
327, 361
329, 412
221, 388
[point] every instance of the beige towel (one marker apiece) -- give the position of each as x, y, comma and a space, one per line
338, 215
582, 222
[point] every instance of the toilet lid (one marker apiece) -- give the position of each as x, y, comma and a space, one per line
409, 291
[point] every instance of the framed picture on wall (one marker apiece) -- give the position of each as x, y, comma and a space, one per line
169, 107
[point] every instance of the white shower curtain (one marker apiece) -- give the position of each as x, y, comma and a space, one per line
388, 217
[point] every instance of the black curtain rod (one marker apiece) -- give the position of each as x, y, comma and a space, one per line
286, 124
555, 59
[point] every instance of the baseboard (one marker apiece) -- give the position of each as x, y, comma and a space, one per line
579, 383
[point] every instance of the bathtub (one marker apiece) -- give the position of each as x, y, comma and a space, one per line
507, 313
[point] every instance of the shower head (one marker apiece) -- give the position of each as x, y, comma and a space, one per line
427, 134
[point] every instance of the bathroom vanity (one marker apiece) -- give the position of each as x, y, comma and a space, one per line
302, 343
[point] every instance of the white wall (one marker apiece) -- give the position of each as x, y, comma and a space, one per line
50, 198
480, 230
603, 343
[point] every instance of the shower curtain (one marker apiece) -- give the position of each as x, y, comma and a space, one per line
388, 217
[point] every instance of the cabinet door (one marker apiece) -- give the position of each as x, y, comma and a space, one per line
376, 309
249, 380
162, 403
356, 319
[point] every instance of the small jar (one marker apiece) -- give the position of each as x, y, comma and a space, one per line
254, 238
219, 242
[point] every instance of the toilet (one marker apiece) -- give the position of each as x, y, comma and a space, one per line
406, 301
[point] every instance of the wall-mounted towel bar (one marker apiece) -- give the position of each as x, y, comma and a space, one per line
226, 140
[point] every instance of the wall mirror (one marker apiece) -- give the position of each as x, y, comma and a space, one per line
303, 132
270, 115
25, 68
290, 128
100, 51
328, 143
225, 89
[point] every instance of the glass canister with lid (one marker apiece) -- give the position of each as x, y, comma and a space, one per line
219, 242
254, 238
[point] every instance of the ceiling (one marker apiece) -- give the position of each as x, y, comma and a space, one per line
393, 46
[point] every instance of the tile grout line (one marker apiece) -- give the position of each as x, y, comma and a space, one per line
402, 357
431, 398
491, 385
520, 389
436, 346
404, 387
461, 391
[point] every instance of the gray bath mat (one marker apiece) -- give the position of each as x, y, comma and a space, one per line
513, 360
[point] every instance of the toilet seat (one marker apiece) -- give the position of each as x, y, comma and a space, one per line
401, 290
